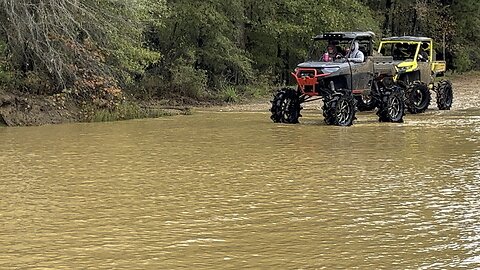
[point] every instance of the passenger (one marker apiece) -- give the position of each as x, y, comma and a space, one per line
355, 55
403, 51
423, 55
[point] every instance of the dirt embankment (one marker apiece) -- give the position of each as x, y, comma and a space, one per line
19, 109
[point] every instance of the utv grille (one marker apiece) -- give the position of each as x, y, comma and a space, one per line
309, 73
306, 73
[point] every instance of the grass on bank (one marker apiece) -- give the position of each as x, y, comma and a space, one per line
126, 111
236, 94
131, 110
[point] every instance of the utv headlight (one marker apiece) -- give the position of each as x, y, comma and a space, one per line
330, 69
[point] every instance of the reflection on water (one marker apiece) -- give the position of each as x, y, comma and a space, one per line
234, 191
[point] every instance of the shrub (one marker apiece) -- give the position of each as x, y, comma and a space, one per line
462, 61
189, 82
229, 94
34, 82
260, 87
124, 111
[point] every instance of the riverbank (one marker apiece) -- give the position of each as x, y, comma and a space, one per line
20, 109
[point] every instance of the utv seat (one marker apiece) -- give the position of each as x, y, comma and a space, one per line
364, 51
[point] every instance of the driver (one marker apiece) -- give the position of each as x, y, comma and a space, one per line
331, 54
355, 55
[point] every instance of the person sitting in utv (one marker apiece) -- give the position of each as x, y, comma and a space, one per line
397, 52
355, 55
330, 55
423, 55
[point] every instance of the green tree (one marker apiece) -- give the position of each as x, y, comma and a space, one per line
280, 31
200, 42
466, 14
65, 40
454, 24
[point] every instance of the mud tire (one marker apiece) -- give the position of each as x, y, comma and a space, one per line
286, 106
392, 107
444, 95
339, 110
417, 97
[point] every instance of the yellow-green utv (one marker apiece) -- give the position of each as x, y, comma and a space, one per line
417, 69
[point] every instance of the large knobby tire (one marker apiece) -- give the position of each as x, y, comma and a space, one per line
339, 110
417, 97
286, 106
365, 102
444, 95
392, 108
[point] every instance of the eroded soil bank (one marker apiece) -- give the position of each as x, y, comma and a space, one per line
19, 109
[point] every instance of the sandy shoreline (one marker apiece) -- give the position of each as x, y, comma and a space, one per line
465, 87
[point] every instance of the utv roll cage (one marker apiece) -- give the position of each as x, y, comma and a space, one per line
365, 39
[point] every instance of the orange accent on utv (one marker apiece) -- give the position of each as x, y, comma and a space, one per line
308, 82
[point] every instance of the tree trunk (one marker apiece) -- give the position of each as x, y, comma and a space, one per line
388, 24
414, 20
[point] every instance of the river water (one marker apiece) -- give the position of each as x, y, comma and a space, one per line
232, 190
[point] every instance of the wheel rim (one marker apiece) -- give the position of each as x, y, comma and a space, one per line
343, 113
448, 97
286, 108
418, 97
394, 108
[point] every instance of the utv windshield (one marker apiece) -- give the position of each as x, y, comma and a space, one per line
324, 50
401, 51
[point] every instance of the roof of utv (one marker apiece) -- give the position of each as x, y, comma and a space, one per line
345, 35
407, 38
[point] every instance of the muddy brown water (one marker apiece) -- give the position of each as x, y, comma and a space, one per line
231, 190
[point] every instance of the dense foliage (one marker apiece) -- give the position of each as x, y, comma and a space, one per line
202, 48
453, 23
